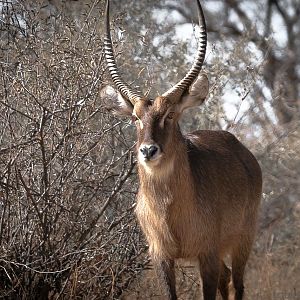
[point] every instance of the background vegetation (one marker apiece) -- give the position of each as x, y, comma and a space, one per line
67, 166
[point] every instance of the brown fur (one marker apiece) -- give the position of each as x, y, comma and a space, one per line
199, 200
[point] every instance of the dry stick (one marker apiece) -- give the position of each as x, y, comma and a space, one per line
18, 111
117, 188
286, 133
32, 269
89, 150
230, 125
5, 202
30, 197
29, 142
116, 222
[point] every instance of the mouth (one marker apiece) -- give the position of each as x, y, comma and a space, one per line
157, 166
150, 161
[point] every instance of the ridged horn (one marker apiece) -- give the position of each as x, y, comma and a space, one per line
122, 87
177, 90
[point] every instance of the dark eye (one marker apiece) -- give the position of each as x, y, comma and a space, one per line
134, 118
171, 115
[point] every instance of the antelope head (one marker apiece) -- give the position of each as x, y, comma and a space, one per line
157, 120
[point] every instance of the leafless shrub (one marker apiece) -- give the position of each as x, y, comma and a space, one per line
67, 179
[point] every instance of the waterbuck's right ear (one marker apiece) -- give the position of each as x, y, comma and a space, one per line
197, 93
115, 102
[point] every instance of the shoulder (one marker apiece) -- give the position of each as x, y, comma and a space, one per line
211, 138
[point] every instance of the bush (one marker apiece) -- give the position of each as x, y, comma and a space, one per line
67, 177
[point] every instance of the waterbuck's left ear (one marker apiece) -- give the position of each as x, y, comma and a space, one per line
114, 102
196, 95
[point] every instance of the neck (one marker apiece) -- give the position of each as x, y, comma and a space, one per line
168, 181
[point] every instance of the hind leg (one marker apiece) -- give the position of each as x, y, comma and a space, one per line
240, 256
224, 280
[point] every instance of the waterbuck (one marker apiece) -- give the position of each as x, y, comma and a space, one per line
199, 193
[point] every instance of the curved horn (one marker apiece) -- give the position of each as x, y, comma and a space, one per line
122, 87
177, 90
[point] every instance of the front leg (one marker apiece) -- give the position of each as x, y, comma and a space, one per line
166, 274
210, 270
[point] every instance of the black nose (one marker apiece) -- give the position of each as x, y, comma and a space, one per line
149, 151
